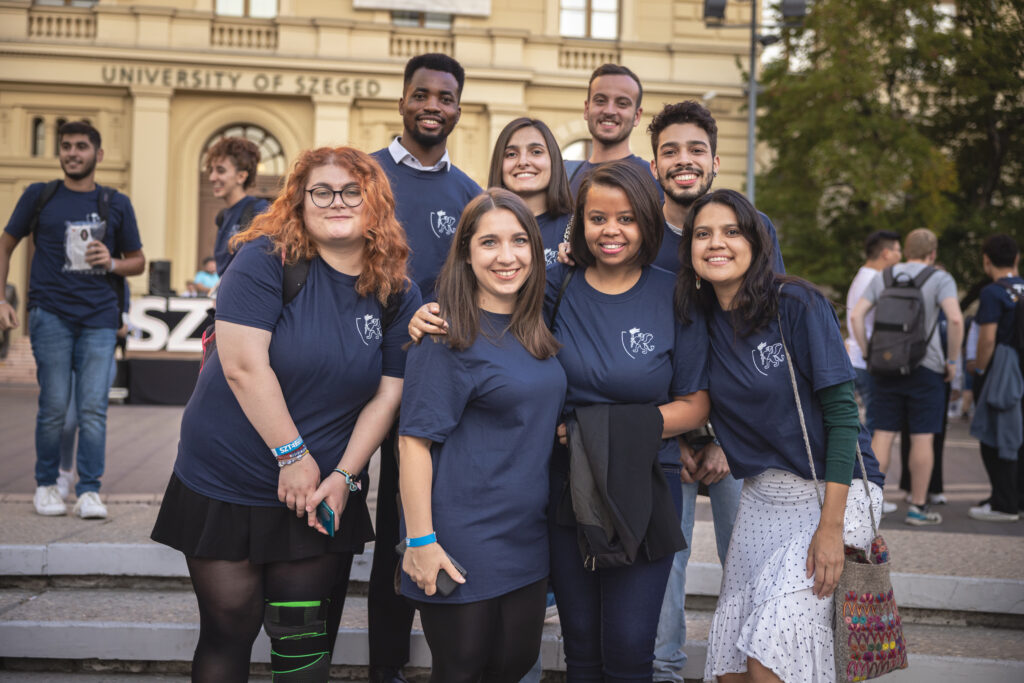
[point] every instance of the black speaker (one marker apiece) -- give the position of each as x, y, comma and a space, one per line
160, 278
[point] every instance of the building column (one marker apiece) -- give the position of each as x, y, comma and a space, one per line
150, 161
332, 117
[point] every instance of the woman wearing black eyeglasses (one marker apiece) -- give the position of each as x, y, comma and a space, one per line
303, 386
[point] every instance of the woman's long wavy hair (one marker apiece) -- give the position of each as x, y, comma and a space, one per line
385, 251
757, 301
559, 197
457, 285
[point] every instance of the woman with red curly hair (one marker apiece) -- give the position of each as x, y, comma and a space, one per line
266, 497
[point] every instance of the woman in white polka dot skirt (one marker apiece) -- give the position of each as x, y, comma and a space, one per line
774, 615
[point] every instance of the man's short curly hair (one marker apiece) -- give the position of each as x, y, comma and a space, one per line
244, 154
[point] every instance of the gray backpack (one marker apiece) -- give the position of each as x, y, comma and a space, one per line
900, 338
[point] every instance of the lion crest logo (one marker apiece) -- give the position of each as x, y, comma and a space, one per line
368, 327
441, 224
767, 356
636, 343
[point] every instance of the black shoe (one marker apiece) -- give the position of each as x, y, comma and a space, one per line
386, 674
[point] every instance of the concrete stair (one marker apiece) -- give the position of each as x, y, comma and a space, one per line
102, 594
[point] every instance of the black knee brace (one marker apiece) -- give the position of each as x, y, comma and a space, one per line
298, 641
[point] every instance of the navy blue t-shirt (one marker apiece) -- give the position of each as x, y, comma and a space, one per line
752, 404
586, 167
328, 351
552, 233
83, 297
491, 413
629, 347
231, 225
668, 254
996, 306
428, 205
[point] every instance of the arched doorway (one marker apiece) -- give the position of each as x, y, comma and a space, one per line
269, 176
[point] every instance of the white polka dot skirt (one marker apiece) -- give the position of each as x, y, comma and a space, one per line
765, 608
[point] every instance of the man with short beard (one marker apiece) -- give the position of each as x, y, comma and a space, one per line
430, 194
84, 235
612, 111
684, 138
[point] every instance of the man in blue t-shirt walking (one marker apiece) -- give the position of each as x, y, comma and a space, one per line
997, 322
232, 164
86, 241
430, 194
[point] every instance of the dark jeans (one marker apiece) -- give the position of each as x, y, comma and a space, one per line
609, 617
389, 615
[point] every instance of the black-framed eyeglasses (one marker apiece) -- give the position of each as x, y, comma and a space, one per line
322, 197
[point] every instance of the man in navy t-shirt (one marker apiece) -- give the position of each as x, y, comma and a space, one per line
612, 111
997, 319
684, 139
84, 237
232, 164
430, 194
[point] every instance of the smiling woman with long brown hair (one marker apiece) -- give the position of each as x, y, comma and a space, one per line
305, 381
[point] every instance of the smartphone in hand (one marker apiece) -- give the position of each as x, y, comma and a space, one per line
445, 584
325, 515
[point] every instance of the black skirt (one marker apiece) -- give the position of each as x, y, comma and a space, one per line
202, 527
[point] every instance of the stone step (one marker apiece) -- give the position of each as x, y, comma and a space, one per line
162, 626
917, 591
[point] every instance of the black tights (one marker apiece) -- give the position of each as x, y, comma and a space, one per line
232, 597
490, 641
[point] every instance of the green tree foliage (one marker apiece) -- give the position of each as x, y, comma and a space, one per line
888, 114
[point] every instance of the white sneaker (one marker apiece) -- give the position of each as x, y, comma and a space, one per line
48, 502
986, 514
65, 479
89, 506
937, 499
889, 508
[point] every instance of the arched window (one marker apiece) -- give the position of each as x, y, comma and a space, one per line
272, 159
578, 150
56, 135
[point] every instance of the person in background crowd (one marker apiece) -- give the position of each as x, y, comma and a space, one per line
205, 280
479, 409
86, 241
299, 380
997, 324
920, 397
881, 249
430, 193
774, 615
232, 165
612, 111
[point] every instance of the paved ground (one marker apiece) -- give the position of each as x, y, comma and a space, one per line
142, 443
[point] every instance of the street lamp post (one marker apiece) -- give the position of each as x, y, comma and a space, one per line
714, 16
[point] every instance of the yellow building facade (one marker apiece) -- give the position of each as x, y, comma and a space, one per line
160, 79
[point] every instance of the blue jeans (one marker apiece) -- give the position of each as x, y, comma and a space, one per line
609, 617
60, 349
668, 650
864, 383
67, 436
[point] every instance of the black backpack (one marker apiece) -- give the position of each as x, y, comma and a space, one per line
103, 199
295, 275
899, 340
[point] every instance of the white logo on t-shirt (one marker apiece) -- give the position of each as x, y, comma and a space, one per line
636, 343
550, 256
369, 328
442, 224
767, 356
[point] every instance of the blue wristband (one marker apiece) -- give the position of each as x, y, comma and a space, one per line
421, 541
288, 447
